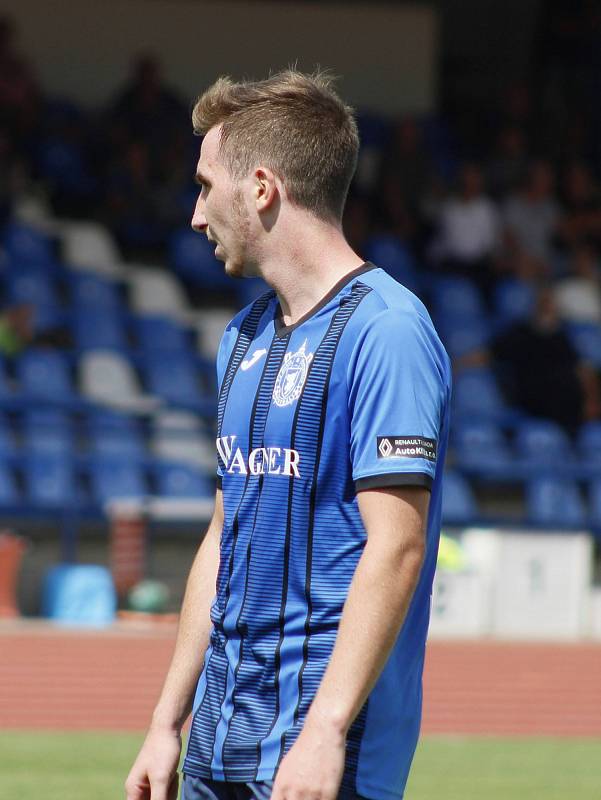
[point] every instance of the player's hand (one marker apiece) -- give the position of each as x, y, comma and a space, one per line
154, 773
312, 769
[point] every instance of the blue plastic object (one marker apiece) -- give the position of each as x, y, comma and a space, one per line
93, 292
115, 478
542, 446
81, 594
27, 246
31, 286
48, 431
175, 379
9, 494
457, 296
160, 333
114, 435
476, 395
482, 449
390, 253
513, 300
458, 501
99, 329
555, 503
44, 374
586, 340
182, 480
193, 257
50, 482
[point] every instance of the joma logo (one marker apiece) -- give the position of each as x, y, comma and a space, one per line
261, 460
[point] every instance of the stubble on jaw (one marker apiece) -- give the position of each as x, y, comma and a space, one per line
241, 224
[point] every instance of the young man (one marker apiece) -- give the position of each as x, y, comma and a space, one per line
304, 670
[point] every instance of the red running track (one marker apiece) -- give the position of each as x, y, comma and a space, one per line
51, 678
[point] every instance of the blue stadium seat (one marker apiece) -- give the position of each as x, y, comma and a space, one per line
44, 375
482, 450
192, 257
458, 296
116, 478
514, 300
7, 438
477, 396
176, 380
62, 163
555, 503
50, 481
26, 246
98, 330
9, 493
586, 340
543, 446
588, 448
160, 333
390, 253
461, 336
116, 436
248, 290
595, 505
182, 480
458, 502
6, 392
48, 432
90, 291
31, 286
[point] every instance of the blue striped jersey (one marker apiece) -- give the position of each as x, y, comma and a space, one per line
355, 395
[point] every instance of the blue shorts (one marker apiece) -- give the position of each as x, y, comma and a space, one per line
204, 789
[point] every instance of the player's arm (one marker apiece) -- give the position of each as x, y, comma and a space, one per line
376, 605
155, 768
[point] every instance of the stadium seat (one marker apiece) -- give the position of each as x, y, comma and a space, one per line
595, 505
461, 336
160, 333
62, 163
99, 329
89, 246
514, 300
586, 340
89, 291
555, 503
482, 450
28, 247
113, 435
44, 375
7, 437
588, 448
180, 436
50, 481
181, 480
9, 493
457, 296
109, 378
116, 478
543, 446
210, 324
477, 396
192, 257
30, 286
156, 291
248, 290
390, 253
176, 381
458, 502
48, 431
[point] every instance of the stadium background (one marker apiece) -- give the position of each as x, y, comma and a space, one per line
481, 117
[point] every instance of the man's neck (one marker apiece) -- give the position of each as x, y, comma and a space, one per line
310, 260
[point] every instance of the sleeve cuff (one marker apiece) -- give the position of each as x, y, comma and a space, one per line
395, 479
219, 481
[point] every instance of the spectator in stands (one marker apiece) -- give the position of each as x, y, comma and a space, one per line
20, 98
407, 161
468, 232
539, 369
578, 294
17, 332
581, 220
531, 216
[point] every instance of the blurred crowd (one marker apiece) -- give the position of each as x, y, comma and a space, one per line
510, 195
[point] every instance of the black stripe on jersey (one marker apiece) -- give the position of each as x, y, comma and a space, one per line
261, 405
246, 334
395, 479
312, 405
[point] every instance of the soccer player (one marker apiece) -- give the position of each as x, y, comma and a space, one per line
301, 640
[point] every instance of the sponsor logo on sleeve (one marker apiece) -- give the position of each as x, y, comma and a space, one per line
406, 447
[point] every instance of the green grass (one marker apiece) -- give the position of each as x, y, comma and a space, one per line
93, 766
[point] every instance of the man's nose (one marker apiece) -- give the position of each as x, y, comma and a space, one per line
199, 221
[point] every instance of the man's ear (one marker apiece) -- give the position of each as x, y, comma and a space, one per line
265, 188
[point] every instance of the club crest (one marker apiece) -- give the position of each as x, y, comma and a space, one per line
291, 377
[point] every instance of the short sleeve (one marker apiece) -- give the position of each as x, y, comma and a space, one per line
397, 393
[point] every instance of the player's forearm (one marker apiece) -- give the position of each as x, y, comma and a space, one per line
375, 609
175, 702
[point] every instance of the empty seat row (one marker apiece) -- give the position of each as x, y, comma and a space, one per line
483, 450
55, 482
549, 502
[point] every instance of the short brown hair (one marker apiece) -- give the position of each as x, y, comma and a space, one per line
291, 122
